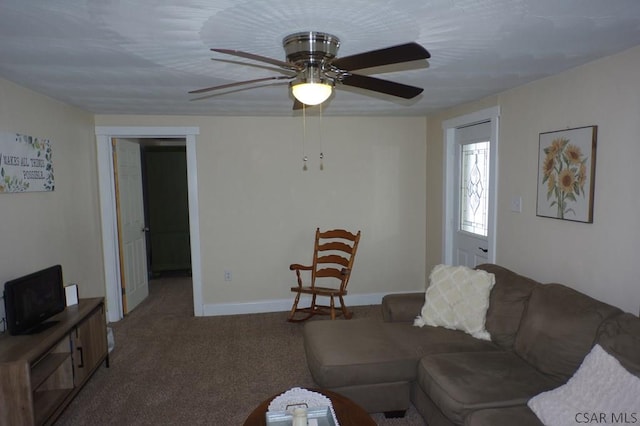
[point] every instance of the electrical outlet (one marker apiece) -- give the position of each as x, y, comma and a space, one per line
227, 275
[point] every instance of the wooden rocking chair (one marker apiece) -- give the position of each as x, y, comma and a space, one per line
333, 255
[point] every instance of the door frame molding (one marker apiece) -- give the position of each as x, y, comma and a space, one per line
108, 215
449, 128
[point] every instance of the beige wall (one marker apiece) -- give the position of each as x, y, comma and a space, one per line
40, 229
259, 209
600, 258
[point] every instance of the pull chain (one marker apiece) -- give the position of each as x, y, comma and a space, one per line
304, 136
320, 132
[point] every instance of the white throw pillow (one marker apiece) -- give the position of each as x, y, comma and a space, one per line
457, 298
601, 391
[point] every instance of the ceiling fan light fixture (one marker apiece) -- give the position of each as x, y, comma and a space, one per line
312, 87
312, 93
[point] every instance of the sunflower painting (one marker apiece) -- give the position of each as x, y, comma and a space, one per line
566, 174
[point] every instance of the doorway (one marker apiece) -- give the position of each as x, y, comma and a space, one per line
470, 188
166, 207
108, 208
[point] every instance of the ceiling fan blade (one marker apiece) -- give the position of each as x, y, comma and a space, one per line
252, 56
235, 90
383, 86
240, 83
375, 58
261, 66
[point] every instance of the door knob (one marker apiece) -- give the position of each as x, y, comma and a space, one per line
145, 229
484, 250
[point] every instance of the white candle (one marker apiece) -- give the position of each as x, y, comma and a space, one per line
300, 417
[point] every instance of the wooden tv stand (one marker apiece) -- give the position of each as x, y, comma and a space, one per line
41, 373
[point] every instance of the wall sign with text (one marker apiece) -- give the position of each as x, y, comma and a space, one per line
25, 163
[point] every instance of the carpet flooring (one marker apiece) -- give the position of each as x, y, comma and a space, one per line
171, 368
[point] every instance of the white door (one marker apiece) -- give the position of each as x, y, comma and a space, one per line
471, 176
471, 198
131, 226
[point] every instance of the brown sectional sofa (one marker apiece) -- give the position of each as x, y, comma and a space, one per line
540, 334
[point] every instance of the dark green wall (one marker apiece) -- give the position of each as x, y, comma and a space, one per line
167, 208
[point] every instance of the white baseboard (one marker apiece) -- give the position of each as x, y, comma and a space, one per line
282, 305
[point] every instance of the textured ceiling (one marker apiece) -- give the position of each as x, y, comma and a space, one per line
143, 56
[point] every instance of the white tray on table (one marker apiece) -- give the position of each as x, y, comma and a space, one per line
319, 408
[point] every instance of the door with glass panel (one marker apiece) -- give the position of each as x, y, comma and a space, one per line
471, 201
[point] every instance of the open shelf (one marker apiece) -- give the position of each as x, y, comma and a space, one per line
46, 367
46, 402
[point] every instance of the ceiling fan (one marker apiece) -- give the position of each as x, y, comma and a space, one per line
313, 69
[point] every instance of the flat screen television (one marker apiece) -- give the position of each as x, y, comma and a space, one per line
30, 300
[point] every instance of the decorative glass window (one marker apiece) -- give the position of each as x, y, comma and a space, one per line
474, 188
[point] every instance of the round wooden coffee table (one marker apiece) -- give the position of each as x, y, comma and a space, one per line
347, 411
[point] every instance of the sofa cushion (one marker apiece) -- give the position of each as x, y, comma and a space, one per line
346, 353
520, 415
620, 336
507, 303
559, 328
457, 298
600, 385
370, 351
459, 383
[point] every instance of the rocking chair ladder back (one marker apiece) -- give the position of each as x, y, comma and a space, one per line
333, 255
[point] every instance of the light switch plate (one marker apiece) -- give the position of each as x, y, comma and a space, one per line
516, 204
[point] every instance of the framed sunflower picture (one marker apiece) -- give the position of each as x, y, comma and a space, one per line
566, 173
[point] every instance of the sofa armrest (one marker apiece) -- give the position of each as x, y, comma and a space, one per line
402, 307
